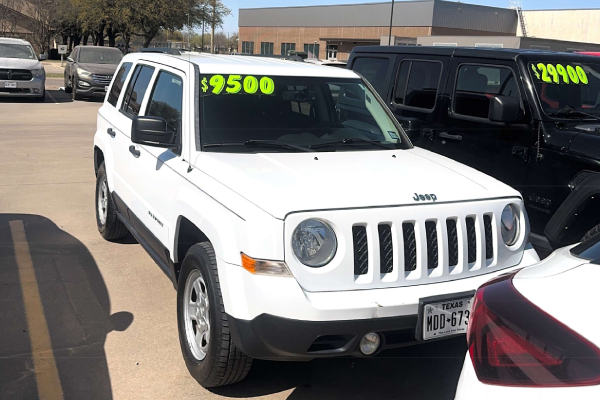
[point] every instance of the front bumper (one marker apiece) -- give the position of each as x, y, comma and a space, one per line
274, 318
31, 88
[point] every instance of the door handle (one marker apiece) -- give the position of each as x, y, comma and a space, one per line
111, 132
446, 135
136, 153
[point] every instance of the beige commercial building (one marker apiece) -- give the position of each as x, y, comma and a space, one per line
570, 25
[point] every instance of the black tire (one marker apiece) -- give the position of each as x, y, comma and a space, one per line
224, 363
113, 228
591, 233
68, 89
74, 94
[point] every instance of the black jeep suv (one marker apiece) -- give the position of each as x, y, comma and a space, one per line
529, 118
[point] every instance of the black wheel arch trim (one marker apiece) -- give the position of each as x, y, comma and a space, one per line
565, 215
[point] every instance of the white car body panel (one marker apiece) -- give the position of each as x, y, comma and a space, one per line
563, 286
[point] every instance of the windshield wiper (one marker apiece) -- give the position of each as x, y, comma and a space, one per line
571, 111
350, 141
266, 143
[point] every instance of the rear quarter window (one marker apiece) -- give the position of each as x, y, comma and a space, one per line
373, 70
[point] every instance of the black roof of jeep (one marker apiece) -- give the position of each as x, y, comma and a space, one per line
477, 52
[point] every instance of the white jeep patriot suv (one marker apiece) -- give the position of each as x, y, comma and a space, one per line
291, 212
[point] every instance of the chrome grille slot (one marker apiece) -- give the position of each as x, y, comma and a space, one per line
410, 246
386, 249
102, 79
16, 74
452, 242
471, 240
432, 244
361, 250
489, 240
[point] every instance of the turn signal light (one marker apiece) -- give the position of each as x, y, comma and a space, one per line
512, 342
264, 267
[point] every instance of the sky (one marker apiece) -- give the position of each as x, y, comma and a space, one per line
231, 23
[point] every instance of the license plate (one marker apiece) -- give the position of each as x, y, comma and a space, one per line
446, 318
10, 85
106, 88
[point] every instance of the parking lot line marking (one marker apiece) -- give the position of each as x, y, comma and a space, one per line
52, 98
46, 373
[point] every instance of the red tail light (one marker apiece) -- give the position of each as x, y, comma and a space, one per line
514, 343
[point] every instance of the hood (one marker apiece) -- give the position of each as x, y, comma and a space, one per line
100, 69
280, 183
20, 63
586, 143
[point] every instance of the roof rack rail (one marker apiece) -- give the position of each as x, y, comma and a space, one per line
165, 50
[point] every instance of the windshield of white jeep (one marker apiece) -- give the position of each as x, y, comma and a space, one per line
100, 56
244, 113
16, 51
567, 89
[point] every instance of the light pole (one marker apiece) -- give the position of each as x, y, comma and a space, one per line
391, 20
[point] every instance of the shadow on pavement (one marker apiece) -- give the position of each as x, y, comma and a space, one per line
428, 371
76, 306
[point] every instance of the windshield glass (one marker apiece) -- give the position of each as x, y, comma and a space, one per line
16, 51
100, 56
298, 111
567, 89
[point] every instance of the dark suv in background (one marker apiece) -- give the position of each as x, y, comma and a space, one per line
90, 69
528, 118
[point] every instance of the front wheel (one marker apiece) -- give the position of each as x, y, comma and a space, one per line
68, 89
210, 355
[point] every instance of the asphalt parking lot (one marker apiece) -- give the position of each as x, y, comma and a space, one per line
109, 310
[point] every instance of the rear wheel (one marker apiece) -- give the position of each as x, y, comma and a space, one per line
591, 233
210, 355
109, 225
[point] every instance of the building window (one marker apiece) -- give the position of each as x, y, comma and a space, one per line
417, 84
285, 47
312, 50
247, 47
266, 48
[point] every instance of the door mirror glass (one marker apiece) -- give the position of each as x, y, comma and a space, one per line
42, 57
504, 109
152, 131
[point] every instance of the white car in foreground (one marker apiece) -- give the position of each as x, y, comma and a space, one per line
535, 334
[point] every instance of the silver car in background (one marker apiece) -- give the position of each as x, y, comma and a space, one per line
21, 73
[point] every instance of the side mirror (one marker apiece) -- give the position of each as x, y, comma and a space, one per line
69, 59
152, 131
412, 127
504, 109
42, 57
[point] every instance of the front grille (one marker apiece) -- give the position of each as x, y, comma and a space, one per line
102, 79
361, 250
410, 246
386, 249
15, 75
452, 242
489, 244
412, 242
432, 244
471, 240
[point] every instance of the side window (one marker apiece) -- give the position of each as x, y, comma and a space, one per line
422, 87
374, 70
137, 89
118, 83
166, 100
476, 85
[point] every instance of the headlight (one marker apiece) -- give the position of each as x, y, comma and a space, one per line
83, 72
509, 224
37, 72
314, 243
